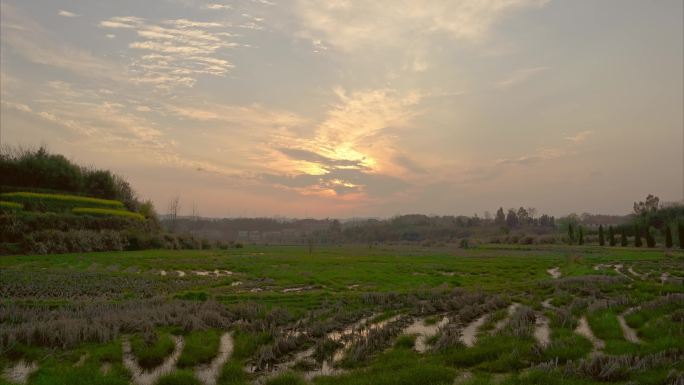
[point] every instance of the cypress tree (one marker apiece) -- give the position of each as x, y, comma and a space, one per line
650, 239
581, 235
623, 237
637, 236
571, 234
602, 241
680, 233
668, 237
611, 236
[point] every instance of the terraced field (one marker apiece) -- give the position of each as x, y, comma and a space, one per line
345, 315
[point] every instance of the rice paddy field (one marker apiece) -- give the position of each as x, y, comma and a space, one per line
344, 315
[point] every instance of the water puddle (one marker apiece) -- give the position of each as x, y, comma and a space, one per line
81, 360
629, 333
469, 333
208, 374
423, 332
634, 273
542, 332
105, 368
20, 372
584, 330
142, 376
503, 322
554, 272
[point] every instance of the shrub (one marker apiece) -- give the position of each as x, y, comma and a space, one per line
58, 202
106, 212
55, 241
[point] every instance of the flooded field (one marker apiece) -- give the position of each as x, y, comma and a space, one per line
344, 315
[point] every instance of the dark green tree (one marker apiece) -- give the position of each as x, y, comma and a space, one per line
650, 239
623, 237
581, 235
611, 236
680, 234
602, 240
571, 234
637, 236
668, 237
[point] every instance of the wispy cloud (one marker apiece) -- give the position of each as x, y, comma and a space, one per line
67, 13
217, 7
175, 52
579, 137
520, 76
351, 26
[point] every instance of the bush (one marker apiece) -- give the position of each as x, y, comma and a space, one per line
106, 212
58, 202
55, 241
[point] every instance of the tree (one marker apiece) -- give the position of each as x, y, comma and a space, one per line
602, 241
174, 208
650, 239
623, 237
523, 216
680, 233
637, 236
650, 205
500, 217
512, 218
668, 237
571, 234
581, 235
611, 236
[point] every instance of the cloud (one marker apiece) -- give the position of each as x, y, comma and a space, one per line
580, 137
67, 13
217, 7
351, 26
520, 76
175, 52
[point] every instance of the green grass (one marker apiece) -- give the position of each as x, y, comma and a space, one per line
411, 272
180, 377
200, 348
150, 356
59, 202
106, 212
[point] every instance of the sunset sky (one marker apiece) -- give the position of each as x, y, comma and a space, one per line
356, 108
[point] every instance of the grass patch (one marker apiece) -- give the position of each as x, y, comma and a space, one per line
200, 348
179, 377
10, 206
98, 212
150, 355
58, 202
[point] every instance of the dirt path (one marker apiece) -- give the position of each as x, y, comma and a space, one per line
542, 332
424, 332
469, 333
629, 333
503, 322
142, 376
554, 272
584, 330
208, 374
20, 372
